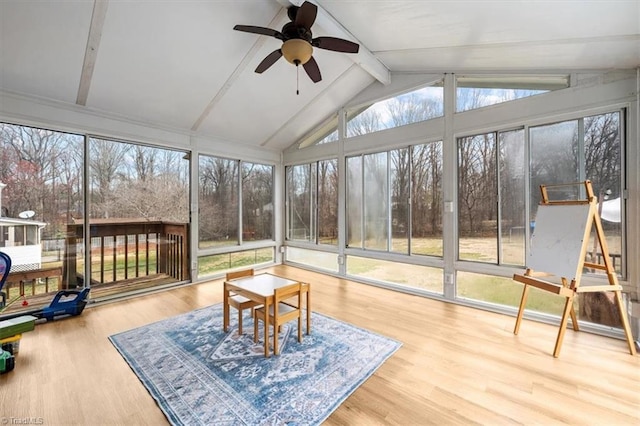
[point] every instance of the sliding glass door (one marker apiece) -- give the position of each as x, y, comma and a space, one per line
41, 196
139, 216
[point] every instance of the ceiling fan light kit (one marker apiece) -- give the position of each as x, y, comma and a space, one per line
297, 51
298, 42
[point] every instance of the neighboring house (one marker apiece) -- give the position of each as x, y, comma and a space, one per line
21, 239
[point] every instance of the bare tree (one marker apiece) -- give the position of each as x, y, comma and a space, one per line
36, 152
218, 189
299, 199
400, 178
366, 122
71, 190
426, 189
603, 153
477, 182
257, 201
412, 108
328, 200
152, 184
107, 163
144, 159
469, 98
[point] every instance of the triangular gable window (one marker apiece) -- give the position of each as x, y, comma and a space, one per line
419, 105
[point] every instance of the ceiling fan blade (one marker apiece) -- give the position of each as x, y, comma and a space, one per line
268, 61
335, 44
306, 15
259, 30
311, 67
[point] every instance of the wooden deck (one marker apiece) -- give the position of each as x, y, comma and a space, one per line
98, 291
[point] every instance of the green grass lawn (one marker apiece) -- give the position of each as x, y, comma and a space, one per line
505, 291
486, 288
208, 265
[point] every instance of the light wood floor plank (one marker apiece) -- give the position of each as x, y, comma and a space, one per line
458, 365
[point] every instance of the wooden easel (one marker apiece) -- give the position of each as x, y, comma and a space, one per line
569, 272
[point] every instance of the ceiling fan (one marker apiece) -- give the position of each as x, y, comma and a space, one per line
298, 42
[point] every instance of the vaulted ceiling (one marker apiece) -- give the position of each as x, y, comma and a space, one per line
178, 64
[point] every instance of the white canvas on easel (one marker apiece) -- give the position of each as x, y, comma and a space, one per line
558, 238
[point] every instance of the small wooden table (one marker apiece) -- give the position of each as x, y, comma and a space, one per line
261, 289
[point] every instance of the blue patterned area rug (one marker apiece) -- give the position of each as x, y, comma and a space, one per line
200, 375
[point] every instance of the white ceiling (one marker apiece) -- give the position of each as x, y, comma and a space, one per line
180, 65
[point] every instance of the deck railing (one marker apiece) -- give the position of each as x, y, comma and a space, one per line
125, 249
27, 283
123, 253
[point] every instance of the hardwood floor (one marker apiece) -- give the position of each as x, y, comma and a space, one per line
98, 291
457, 365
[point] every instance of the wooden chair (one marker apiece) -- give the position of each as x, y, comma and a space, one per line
241, 302
295, 303
280, 313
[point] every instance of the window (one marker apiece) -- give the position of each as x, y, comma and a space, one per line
328, 202
505, 291
312, 202
42, 172
376, 201
422, 104
468, 98
19, 235
218, 202
138, 182
138, 205
211, 264
367, 201
314, 258
572, 151
257, 202
474, 92
354, 201
492, 203
399, 181
426, 199
491, 197
331, 137
139, 212
300, 217
511, 183
327, 132
403, 274
229, 189
394, 200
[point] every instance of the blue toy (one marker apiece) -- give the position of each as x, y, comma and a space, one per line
67, 306
57, 307
61, 305
5, 267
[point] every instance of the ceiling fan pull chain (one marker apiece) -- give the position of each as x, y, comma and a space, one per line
297, 79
